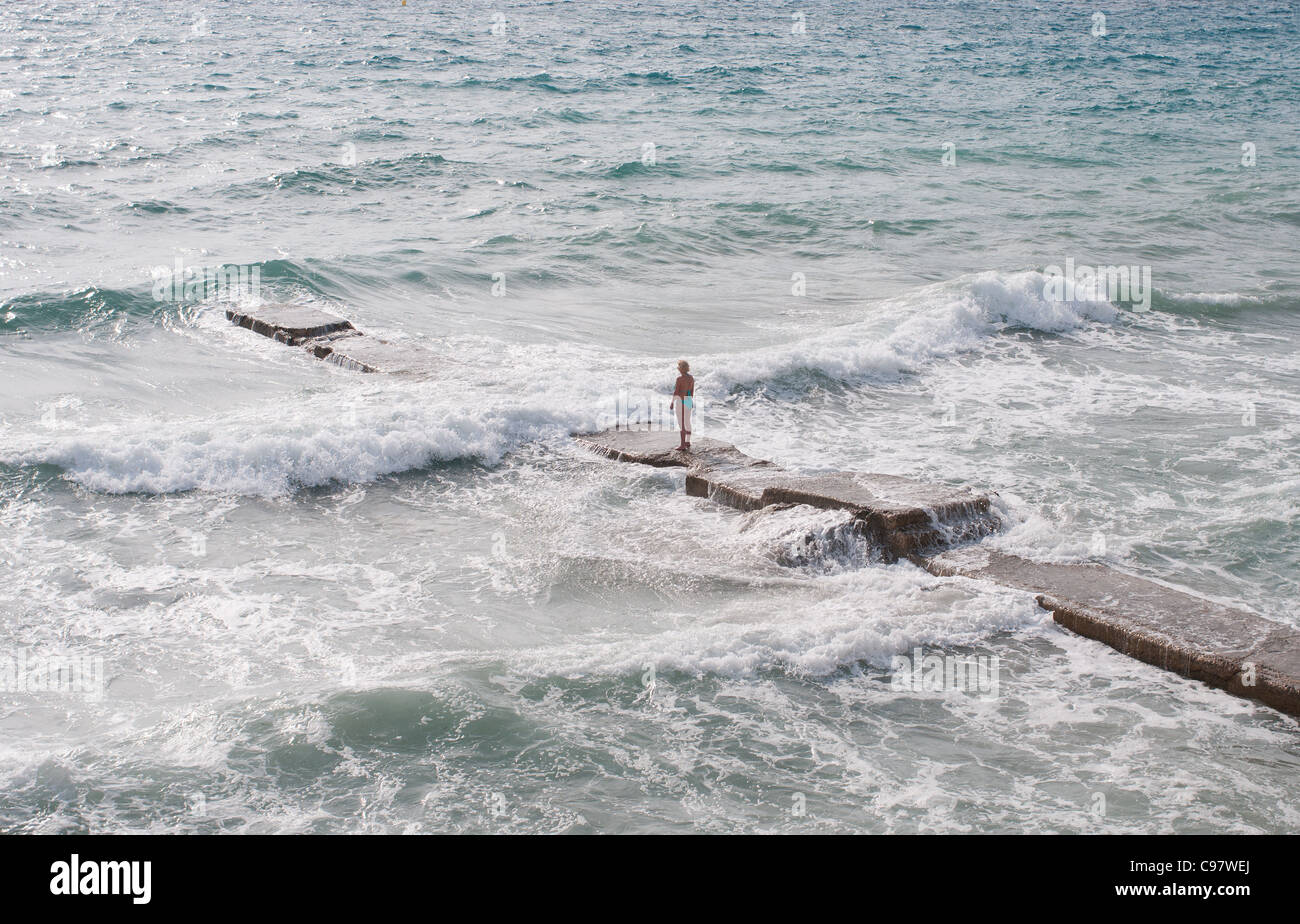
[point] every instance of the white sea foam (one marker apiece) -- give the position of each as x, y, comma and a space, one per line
270, 452
348, 434
1229, 299
1135, 429
867, 615
937, 321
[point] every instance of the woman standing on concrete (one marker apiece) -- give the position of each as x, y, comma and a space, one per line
684, 399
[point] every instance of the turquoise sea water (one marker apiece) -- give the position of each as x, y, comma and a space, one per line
331, 602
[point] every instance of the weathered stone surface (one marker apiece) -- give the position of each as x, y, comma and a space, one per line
659, 448
1276, 662
291, 324
1225, 647
370, 354
335, 340
901, 500
898, 516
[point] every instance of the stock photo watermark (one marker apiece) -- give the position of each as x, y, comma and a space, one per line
1081, 282
641, 409
946, 673
187, 283
56, 673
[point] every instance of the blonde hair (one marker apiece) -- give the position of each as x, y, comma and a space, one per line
683, 366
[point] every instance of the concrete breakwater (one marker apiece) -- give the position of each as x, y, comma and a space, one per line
898, 516
1197, 638
934, 526
334, 340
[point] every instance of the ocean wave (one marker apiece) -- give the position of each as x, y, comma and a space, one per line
83, 309
95, 307
155, 207
426, 423
939, 321
266, 454
866, 616
338, 437
636, 168
369, 174
542, 81
1221, 303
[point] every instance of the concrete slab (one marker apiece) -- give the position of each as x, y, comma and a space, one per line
659, 448
898, 516
289, 324
370, 354
335, 340
1169, 628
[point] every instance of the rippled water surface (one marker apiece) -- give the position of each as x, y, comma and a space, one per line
330, 602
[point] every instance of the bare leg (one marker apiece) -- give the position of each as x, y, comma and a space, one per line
681, 423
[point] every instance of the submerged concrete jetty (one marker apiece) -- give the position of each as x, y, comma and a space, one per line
1197, 638
335, 340
1169, 628
902, 518
898, 516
